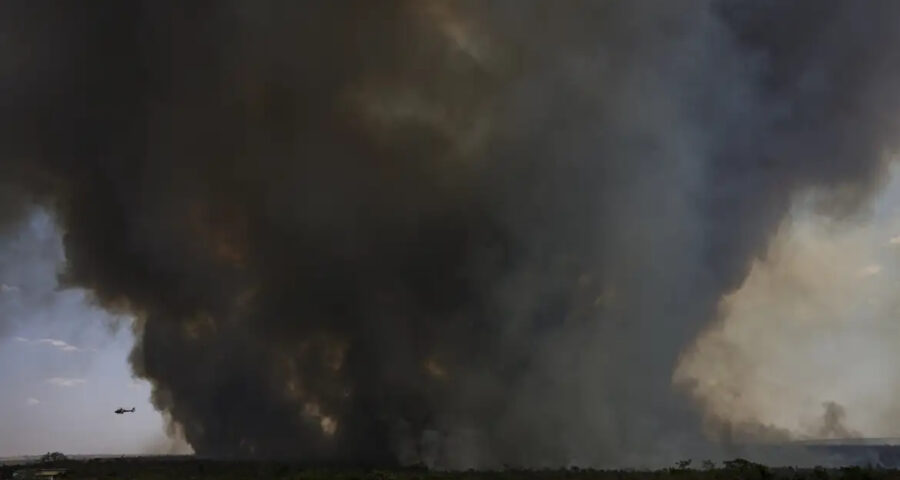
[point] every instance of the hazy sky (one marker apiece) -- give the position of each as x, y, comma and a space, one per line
814, 324
63, 370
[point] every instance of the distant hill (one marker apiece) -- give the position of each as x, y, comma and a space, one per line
34, 458
868, 452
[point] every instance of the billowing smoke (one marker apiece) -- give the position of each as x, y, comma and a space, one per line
460, 233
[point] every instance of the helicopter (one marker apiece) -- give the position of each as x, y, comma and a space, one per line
124, 410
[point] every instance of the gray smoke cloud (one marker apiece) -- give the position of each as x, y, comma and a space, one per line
466, 234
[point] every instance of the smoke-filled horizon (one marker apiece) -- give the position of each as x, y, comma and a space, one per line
466, 234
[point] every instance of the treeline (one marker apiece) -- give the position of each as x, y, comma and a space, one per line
196, 469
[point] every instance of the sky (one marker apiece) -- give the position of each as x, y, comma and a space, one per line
811, 334
63, 368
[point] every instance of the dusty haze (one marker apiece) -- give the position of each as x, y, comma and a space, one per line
459, 233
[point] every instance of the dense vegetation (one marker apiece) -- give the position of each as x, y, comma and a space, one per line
189, 468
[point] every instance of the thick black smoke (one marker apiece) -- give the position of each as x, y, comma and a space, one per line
465, 233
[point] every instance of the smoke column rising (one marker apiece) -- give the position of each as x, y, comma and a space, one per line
467, 233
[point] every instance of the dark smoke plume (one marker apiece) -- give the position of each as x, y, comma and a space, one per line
833, 422
464, 233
